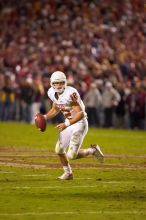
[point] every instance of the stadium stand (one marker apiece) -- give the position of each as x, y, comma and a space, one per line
97, 41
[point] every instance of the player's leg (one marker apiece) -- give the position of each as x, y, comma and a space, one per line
78, 134
60, 149
68, 174
93, 150
79, 130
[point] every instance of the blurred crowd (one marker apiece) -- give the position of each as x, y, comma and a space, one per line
100, 45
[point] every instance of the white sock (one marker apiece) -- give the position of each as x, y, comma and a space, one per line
90, 151
67, 169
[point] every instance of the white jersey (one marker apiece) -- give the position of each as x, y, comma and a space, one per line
64, 101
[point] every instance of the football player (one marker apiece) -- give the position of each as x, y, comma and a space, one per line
73, 130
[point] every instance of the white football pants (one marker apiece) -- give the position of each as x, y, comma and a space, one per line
72, 138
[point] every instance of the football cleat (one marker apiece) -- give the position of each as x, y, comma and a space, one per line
98, 153
66, 176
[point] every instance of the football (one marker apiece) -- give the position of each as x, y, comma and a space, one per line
40, 122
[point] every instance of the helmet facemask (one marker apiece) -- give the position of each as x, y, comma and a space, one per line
59, 87
58, 81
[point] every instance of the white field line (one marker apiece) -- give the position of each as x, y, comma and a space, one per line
48, 187
4, 172
68, 187
42, 166
48, 175
35, 175
54, 155
28, 156
76, 178
133, 212
83, 178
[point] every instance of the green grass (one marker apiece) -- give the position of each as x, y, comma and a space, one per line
113, 141
19, 134
99, 193
116, 194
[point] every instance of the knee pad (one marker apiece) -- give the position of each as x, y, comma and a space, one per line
72, 154
58, 149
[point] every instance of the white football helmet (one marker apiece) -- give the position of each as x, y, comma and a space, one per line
58, 77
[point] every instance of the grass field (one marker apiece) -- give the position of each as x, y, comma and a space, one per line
29, 168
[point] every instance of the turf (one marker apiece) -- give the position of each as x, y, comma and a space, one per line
117, 194
113, 141
95, 193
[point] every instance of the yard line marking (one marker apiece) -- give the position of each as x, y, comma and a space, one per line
46, 187
75, 166
47, 154
123, 156
28, 156
88, 178
4, 172
35, 175
58, 187
74, 213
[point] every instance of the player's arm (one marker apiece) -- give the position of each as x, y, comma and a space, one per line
79, 114
52, 112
